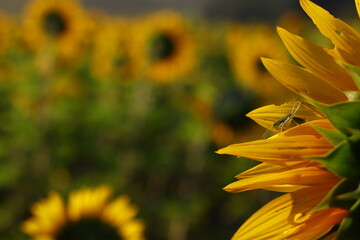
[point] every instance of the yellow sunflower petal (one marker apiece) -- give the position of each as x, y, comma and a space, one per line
357, 2
344, 37
133, 230
44, 237
317, 60
264, 168
119, 205
289, 146
304, 176
87, 202
303, 82
280, 149
284, 188
278, 216
49, 215
266, 116
307, 128
315, 225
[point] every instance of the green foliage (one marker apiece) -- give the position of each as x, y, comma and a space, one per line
334, 136
341, 196
349, 228
354, 72
343, 160
344, 116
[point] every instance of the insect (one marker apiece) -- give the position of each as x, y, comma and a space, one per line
286, 121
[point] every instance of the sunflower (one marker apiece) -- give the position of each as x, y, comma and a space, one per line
245, 46
164, 46
111, 55
313, 158
55, 24
6, 32
229, 123
88, 215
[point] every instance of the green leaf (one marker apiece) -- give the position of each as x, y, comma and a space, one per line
344, 116
336, 197
350, 226
334, 136
354, 72
344, 159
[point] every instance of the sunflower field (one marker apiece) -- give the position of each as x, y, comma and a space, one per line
110, 124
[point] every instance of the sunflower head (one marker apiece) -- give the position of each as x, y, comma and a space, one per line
88, 214
167, 44
54, 23
245, 46
7, 34
314, 155
60, 23
162, 46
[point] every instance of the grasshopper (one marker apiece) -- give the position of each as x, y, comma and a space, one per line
286, 122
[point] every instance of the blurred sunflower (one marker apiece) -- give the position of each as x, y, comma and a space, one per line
229, 122
245, 46
314, 157
87, 215
58, 25
111, 53
6, 31
164, 46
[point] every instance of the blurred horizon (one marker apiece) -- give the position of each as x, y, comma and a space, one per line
231, 9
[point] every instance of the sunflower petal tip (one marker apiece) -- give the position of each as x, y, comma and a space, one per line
264, 59
219, 151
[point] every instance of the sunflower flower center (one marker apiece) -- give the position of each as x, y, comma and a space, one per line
228, 110
54, 24
89, 229
162, 46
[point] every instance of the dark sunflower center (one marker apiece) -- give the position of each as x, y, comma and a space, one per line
54, 24
232, 107
119, 61
162, 46
88, 229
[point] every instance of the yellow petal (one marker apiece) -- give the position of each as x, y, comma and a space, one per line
307, 128
357, 2
280, 149
284, 188
278, 216
133, 230
289, 146
317, 60
303, 176
344, 37
49, 216
303, 82
87, 202
314, 226
266, 116
264, 168
119, 211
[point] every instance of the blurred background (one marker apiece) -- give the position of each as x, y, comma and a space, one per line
139, 95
